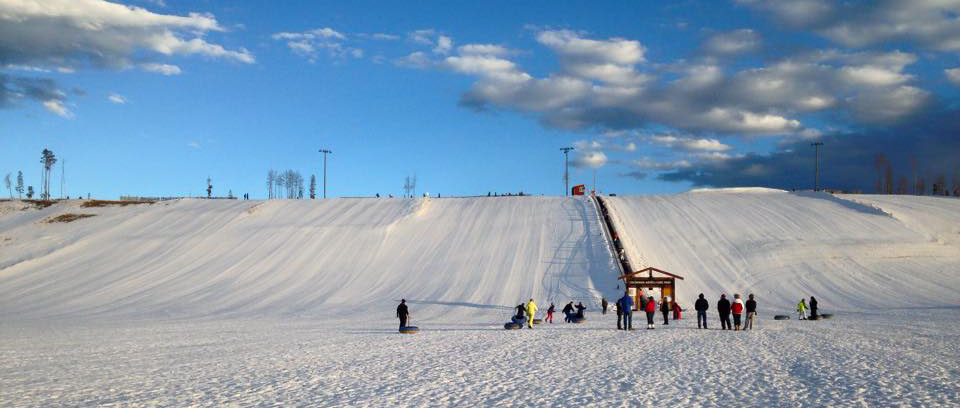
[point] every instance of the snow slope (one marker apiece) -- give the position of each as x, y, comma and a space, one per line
339, 257
851, 252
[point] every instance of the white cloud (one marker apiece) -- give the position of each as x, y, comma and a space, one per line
888, 105
689, 143
424, 36
591, 160
875, 76
385, 37
569, 44
930, 24
647, 163
57, 107
69, 34
608, 146
733, 42
416, 59
484, 49
165, 69
953, 75
309, 44
444, 45
117, 99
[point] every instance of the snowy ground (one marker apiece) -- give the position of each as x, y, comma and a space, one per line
197, 302
893, 358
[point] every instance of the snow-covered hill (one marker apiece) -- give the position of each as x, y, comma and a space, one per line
470, 258
852, 252
340, 257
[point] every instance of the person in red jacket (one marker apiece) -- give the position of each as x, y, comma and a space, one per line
737, 310
651, 309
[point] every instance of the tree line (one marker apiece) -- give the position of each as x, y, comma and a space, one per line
289, 184
48, 159
917, 183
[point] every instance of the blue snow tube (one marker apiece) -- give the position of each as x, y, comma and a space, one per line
781, 317
409, 329
512, 326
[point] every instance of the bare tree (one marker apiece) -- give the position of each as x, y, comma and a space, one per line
940, 184
19, 184
888, 179
921, 187
881, 163
48, 159
271, 176
9, 183
903, 186
281, 181
313, 186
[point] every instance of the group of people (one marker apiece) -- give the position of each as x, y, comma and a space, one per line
802, 308
725, 309
648, 305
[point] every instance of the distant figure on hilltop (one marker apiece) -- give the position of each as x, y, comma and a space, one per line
701, 306
723, 308
403, 313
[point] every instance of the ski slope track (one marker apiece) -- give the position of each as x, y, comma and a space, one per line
300, 258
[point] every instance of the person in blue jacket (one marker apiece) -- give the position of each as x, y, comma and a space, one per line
626, 304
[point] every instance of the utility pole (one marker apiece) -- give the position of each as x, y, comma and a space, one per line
566, 170
816, 165
325, 152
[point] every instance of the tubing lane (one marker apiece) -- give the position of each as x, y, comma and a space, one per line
614, 237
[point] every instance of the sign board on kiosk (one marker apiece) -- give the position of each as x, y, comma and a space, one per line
579, 189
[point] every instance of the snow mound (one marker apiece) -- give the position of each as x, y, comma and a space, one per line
738, 190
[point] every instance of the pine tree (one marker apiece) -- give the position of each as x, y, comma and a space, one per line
19, 184
9, 183
313, 186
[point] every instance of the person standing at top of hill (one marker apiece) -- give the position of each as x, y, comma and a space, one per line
531, 311
751, 312
625, 307
567, 312
550, 311
603, 304
701, 305
737, 310
665, 309
802, 310
651, 308
813, 307
580, 309
403, 313
723, 308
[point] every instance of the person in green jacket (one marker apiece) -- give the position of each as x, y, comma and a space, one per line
802, 309
531, 310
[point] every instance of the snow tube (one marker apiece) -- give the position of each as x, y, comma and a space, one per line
409, 329
781, 317
576, 319
537, 321
512, 326
826, 316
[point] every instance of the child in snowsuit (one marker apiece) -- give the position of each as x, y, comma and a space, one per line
802, 309
550, 311
531, 311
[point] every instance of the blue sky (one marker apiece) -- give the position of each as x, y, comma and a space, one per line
152, 97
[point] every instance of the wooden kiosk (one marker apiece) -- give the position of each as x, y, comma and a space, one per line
635, 282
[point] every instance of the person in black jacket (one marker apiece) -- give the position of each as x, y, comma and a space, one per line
603, 304
580, 309
521, 311
751, 312
723, 307
702, 306
567, 312
665, 309
403, 313
813, 307
619, 306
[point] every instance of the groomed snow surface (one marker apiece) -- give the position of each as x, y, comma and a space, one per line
196, 302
